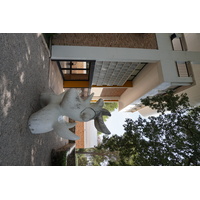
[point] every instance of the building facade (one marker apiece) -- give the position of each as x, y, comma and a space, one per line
128, 67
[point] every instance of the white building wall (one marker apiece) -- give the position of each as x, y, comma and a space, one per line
148, 79
90, 134
193, 44
60, 52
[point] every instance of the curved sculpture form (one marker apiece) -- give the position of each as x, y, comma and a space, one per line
69, 103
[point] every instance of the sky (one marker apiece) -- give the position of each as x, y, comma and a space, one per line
114, 124
117, 119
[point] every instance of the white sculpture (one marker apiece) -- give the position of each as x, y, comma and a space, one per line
69, 103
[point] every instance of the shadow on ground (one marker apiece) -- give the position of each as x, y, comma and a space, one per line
24, 74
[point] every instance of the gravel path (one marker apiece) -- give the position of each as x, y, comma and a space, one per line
24, 74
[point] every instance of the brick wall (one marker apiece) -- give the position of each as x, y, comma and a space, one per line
127, 40
80, 133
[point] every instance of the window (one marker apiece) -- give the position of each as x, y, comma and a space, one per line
74, 70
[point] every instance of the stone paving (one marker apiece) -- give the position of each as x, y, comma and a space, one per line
24, 74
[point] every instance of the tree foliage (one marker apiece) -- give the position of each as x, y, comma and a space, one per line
110, 107
81, 160
170, 139
94, 156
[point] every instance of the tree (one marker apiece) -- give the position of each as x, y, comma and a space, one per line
110, 107
81, 160
172, 138
94, 156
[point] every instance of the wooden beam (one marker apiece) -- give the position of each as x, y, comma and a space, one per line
76, 84
128, 84
75, 77
93, 101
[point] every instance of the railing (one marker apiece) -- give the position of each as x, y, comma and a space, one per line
179, 44
183, 69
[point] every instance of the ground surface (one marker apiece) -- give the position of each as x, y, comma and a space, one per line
24, 74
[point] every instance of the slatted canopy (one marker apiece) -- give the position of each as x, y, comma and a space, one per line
112, 73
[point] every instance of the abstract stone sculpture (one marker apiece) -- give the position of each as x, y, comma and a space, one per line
70, 104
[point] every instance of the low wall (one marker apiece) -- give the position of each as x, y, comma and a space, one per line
126, 40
